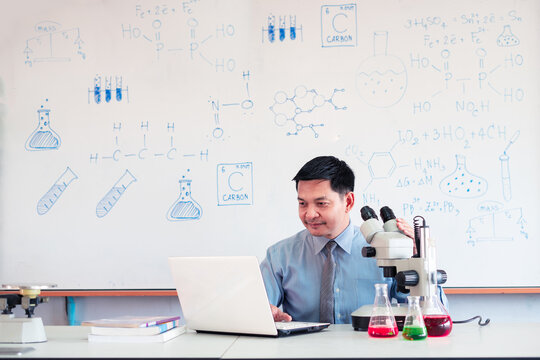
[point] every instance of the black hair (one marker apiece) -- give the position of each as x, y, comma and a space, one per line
330, 168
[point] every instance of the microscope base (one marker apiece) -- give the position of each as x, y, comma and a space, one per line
21, 330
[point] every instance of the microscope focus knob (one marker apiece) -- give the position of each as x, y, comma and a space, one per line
407, 278
442, 276
368, 251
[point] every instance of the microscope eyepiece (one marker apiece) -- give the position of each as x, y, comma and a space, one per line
368, 213
387, 214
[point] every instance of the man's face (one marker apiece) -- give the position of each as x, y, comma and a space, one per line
323, 211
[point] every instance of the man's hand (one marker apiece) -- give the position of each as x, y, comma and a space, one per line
407, 230
279, 315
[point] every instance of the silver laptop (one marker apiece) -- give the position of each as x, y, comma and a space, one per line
227, 295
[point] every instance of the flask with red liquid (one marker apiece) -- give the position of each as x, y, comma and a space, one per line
382, 322
436, 318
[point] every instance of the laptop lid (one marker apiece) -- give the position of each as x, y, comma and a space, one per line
223, 294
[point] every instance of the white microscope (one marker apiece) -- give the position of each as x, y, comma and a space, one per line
415, 274
14, 330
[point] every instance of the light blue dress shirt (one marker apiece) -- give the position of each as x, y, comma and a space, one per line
292, 275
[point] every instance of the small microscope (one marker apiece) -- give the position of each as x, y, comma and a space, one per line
30, 329
415, 274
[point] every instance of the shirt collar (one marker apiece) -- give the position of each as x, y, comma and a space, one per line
344, 240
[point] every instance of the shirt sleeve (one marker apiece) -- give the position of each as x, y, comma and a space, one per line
272, 278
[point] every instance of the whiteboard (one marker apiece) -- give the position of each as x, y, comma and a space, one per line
136, 130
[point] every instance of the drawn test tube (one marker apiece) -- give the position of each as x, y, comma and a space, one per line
97, 89
505, 177
108, 89
111, 198
51, 197
271, 28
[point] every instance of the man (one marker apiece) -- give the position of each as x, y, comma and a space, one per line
293, 268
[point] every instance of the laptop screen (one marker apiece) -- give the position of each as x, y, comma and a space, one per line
223, 294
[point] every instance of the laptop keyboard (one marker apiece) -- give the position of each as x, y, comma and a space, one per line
282, 325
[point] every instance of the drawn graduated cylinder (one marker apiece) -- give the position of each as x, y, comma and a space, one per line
111, 198
43, 137
51, 197
185, 208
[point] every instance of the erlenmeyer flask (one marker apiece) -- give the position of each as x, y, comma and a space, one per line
507, 38
185, 208
43, 137
414, 327
462, 183
382, 322
436, 318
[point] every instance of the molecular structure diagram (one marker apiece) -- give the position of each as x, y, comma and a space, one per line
287, 109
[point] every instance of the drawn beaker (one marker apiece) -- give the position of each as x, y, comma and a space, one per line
507, 38
185, 208
111, 198
463, 184
43, 137
49, 199
381, 79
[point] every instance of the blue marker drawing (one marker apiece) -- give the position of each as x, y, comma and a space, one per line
111, 198
338, 25
381, 80
97, 89
43, 137
51, 197
235, 184
108, 89
292, 27
280, 30
286, 109
503, 225
97, 92
185, 208
119, 88
54, 44
462, 183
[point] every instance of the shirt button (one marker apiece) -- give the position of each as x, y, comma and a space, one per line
339, 316
337, 289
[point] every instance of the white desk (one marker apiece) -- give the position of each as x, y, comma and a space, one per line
340, 341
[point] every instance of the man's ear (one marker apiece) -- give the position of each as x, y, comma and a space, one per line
349, 201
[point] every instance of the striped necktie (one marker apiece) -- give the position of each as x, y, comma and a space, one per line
326, 313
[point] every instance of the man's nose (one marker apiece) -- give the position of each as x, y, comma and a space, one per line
311, 212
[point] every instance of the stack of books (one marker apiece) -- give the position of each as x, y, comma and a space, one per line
145, 329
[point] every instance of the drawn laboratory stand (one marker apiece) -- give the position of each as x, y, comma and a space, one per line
185, 208
43, 137
505, 169
57, 189
111, 198
381, 79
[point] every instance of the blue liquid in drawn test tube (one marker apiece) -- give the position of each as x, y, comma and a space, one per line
49, 199
97, 89
271, 28
107, 203
292, 29
281, 28
118, 88
108, 90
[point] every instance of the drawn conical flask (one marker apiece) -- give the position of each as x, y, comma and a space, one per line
43, 137
60, 185
185, 208
507, 38
462, 183
381, 80
382, 322
414, 327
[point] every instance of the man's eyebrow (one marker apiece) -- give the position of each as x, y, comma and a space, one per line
317, 199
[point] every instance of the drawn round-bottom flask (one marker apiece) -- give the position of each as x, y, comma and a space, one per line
185, 208
463, 184
43, 137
